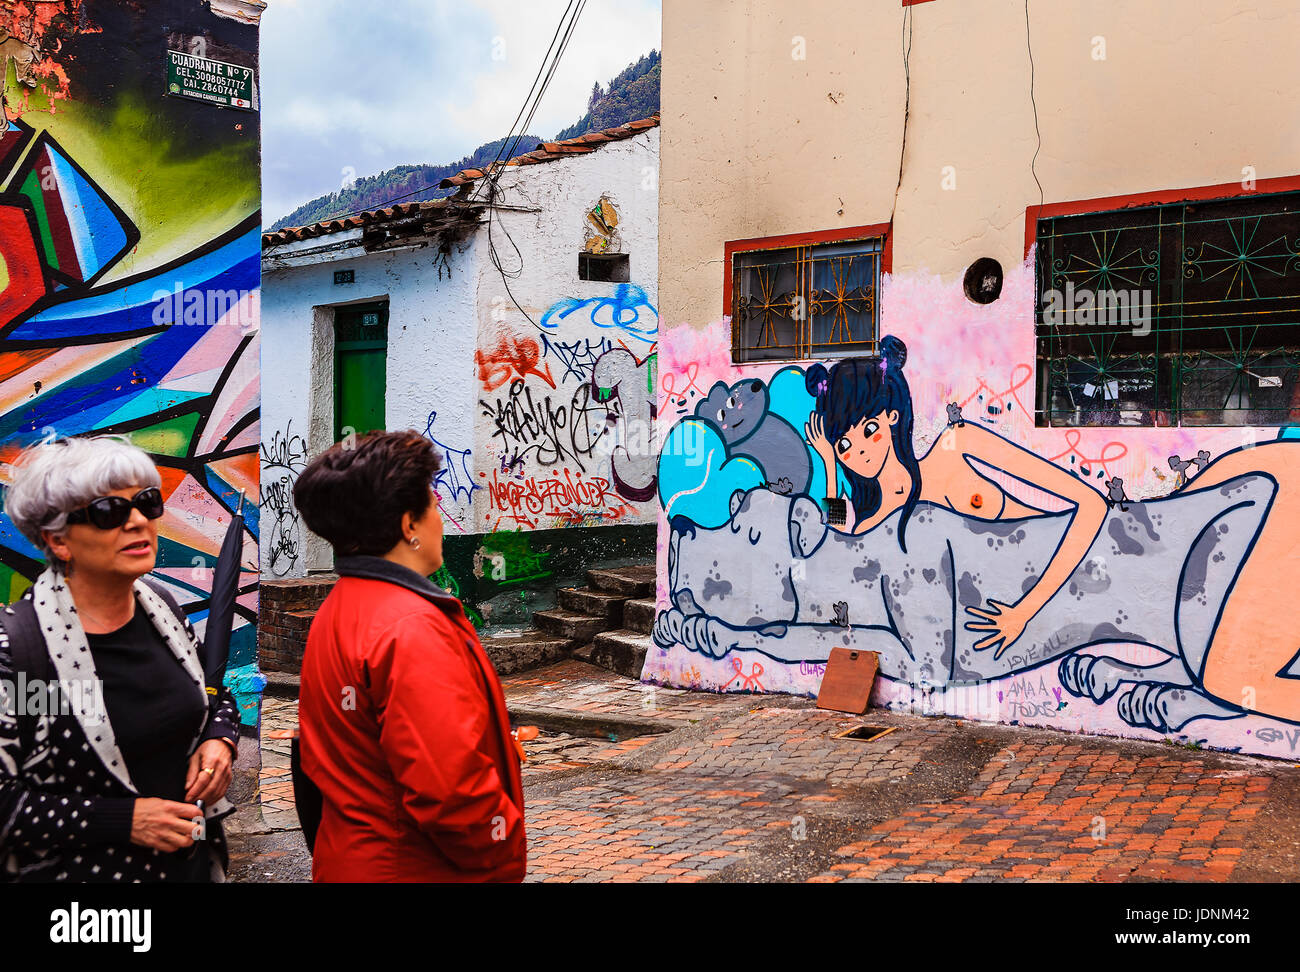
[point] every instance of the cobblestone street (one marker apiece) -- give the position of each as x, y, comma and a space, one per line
628, 782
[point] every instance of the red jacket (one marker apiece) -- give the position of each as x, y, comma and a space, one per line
404, 729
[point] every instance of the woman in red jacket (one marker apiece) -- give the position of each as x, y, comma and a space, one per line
403, 722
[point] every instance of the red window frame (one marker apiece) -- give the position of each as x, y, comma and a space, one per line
1224, 190
842, 235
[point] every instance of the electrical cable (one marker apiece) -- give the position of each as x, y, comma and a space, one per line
492, 178
509, 134
907, 104
1033, 162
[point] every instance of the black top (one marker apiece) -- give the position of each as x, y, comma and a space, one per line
155, 713
62, 816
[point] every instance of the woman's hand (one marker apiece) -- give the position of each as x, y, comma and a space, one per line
164, 825
814, 431
209, 772
1003, 622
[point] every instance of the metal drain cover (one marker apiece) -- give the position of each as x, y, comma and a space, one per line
865, 733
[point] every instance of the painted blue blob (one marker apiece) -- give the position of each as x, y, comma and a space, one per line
97, 233
11, 539
246, 683
789, 398
628, 310
696, 477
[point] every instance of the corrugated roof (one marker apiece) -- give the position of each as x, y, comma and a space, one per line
545, 152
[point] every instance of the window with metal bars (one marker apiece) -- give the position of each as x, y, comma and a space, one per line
811, 301
1179, 314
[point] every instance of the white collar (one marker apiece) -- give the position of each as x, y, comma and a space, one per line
65, 641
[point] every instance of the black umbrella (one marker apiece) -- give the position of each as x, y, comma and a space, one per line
221, 606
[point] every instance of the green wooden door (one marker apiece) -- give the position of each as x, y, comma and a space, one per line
360, 369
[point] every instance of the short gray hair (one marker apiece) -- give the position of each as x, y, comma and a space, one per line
51, 480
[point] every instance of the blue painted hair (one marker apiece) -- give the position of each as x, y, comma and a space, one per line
857, 389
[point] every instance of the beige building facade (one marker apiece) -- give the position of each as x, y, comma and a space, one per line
1062, 495
786, 118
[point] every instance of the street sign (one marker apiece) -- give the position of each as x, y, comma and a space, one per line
203, 79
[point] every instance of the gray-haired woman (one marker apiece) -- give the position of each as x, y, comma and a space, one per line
102, 779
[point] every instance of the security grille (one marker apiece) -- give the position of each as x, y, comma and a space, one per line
818, 300
1185, 314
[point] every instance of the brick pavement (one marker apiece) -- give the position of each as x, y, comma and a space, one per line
1067, 812
574, 686
653, 828
802, 743
554, 751
275, 783
749, 788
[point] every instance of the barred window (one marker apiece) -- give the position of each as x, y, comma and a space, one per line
1181, 314
810, 301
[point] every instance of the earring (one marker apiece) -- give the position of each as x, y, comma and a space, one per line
415, 543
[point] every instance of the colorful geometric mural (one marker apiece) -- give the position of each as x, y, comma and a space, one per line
127, 307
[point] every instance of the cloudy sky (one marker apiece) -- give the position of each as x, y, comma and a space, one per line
358, 86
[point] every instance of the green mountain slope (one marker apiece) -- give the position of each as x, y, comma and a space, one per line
404, 183
632, 94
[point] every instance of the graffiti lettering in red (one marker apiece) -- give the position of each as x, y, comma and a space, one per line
512, 356
677, 396
568, 496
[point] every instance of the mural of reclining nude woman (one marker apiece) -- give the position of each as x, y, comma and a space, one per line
954, 581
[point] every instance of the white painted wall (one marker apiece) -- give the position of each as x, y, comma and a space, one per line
441, 313
550, 231
430, 352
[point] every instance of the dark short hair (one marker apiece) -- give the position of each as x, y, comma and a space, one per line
354, 494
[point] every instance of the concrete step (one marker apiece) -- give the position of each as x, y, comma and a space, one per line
639, 614
586, 600
530, 649
614, 726
621, 651
571, 624
282, 685
635, 581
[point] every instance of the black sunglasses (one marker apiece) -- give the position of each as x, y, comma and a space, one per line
110, 512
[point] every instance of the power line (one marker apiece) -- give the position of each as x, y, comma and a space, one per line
564, 44
510, 134
493, 176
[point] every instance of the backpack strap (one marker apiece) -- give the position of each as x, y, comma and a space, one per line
29, 655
